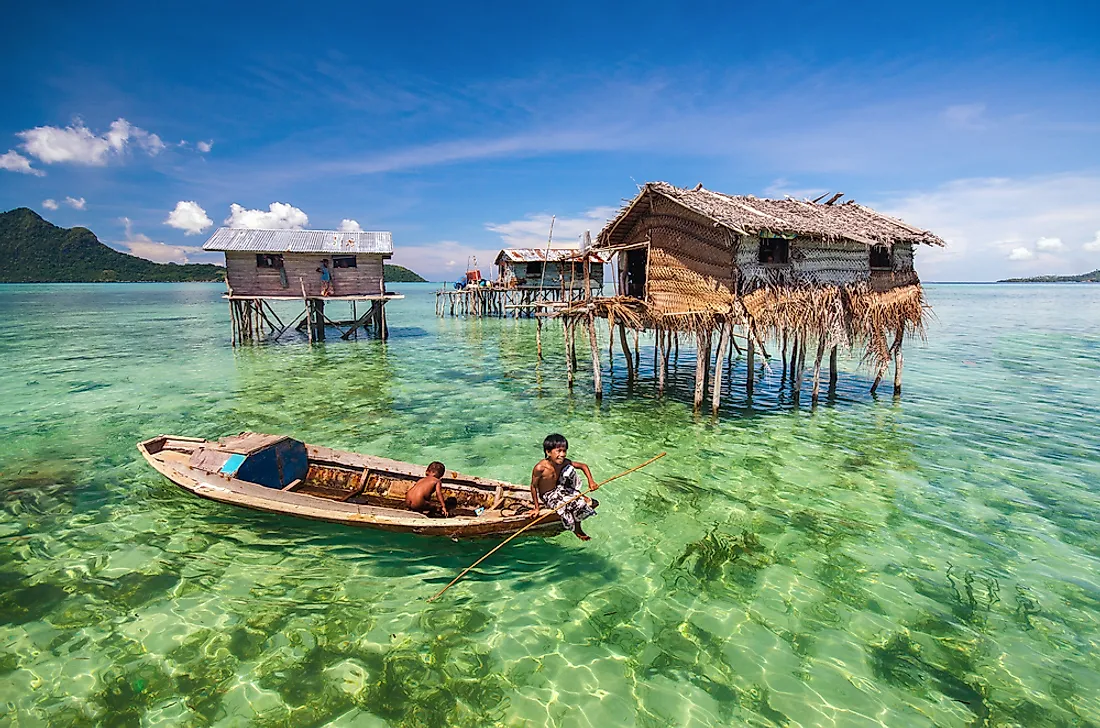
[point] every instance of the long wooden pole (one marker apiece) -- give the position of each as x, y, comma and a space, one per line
548, 513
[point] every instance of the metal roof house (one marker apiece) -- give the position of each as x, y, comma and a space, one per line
552, 268
264, 265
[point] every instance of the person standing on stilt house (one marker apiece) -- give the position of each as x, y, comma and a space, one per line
326, 278
554, 482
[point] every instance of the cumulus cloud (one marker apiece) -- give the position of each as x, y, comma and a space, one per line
1093, 246
143, 246
1021, 254
76, 144
15, 162
984, 220
533, 230
349, 226
204, 147
77, 203
49, 204
1049, 244
278, 216
188, 217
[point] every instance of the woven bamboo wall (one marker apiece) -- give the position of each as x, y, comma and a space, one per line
690, 260
246, 279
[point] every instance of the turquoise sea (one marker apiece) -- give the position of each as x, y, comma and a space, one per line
927, 561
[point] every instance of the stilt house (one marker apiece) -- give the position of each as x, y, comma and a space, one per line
265, 265
785, 271
552, 268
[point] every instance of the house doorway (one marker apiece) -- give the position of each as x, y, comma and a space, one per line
635, 272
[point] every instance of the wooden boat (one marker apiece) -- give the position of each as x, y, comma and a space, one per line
282, 475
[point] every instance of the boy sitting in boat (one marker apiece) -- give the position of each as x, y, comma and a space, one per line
419, 496
554, 482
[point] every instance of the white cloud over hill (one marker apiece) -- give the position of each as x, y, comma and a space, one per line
189, 217
278, 216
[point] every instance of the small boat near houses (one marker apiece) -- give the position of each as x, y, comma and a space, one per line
279, 474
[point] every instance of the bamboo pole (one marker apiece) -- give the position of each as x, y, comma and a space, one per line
637, 353
817, 366
784, 356
565, 350
898, 361
538, 337
596, 381
716, 382
539, 519
796, 367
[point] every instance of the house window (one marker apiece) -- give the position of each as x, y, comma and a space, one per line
343, 261
774, 251
268, 260
534, 269
880, 257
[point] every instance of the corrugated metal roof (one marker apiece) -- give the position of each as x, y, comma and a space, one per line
299, 241
555, 255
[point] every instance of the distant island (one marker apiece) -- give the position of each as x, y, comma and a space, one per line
34, 250
1093, 277
401, 274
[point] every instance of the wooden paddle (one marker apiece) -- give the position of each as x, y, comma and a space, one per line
551, 511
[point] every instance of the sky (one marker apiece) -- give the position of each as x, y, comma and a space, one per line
465, 129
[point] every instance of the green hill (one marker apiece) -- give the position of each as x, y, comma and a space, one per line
33, 250
400, 274
1093, 277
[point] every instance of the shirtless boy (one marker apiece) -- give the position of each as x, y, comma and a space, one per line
419, 496
554, 481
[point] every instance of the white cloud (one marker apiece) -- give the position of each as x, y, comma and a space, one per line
189, 217
349, 226
1021, 254
1049, 244
279, 216
49, 204
532, 231
77, 144
984, 220
1093, 246
77, 203
15, 162
204, 147
143, 246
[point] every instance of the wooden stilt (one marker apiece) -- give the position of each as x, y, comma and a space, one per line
700, 369
676, 344
898, 362
637, 353
716, 381
784, 355
610, 344
750, 365
596, 380
817, 366
796, 366
626, 354
832, 370
538, 337
565, 350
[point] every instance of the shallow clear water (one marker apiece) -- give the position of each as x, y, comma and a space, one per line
926, 561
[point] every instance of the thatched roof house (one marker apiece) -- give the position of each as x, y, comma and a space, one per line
839, 274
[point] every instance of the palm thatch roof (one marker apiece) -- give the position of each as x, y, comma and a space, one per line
749, 215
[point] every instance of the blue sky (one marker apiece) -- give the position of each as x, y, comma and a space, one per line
463, 129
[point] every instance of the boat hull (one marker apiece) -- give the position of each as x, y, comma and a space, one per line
348, 488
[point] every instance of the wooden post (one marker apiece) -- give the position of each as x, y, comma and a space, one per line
716, 381
700, 369
817, 365
750, 364
538, 337
565, 349
796, 366
630, 363
898, 361
596, 381
610, 343
784, 373
832, 370
637, 352
384, 327
676, 344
